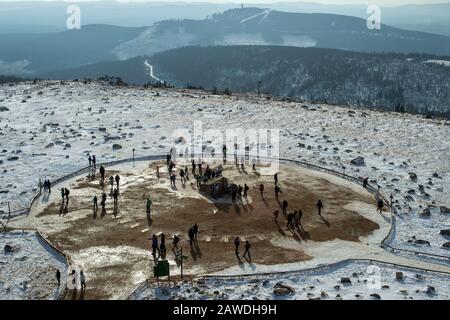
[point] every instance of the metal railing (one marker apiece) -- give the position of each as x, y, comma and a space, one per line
338, 264
371, 189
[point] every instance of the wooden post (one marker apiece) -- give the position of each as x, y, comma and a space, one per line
9, 211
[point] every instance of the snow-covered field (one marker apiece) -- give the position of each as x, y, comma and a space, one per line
443, 62
30, 271
366, 281
47, 130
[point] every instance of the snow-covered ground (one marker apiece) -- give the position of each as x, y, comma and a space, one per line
29, 272
48, 129
443, 62
367, 281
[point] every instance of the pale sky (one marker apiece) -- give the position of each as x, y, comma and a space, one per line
361, 2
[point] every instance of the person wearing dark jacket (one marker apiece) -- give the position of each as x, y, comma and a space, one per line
237, 242
247, 250
319, 206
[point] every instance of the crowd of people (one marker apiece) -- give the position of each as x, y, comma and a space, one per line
201, 175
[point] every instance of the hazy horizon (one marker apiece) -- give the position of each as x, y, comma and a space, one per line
387, 3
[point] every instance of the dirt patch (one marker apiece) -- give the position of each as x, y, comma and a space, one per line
174, 211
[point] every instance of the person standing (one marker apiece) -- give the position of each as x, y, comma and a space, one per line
82, 281
95, 203
67, 192
191, 236
275, 178
173, 179
246, 188
63, 193
295, 219
149, 204
155, 246
277, 191
195, 230
380, 205
240, 191
162, 245
261, 190
247, 250
74, 279
290, 217
365, 182
115, 197
111, 182
94, 162
90, 161
275, 215
319, 206
183, 180
117, 180
237, 242
175, 241
58, 277
233, 195
102, 173
103, 203
186, 173
285, 206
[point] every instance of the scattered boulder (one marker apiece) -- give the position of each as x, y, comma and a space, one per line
3, 109
13, 158
444, 210
412, 176
375, 295
346, 280
430, 290
281, 289
445, 232
446, 245
359, 161
420, 241
399, 275
425, 212
116, 146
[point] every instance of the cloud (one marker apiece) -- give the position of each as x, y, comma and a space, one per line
15, 67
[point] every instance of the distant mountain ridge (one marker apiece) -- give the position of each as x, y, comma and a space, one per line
31, 54
60, 50
40, 17
255, 26
412, 83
